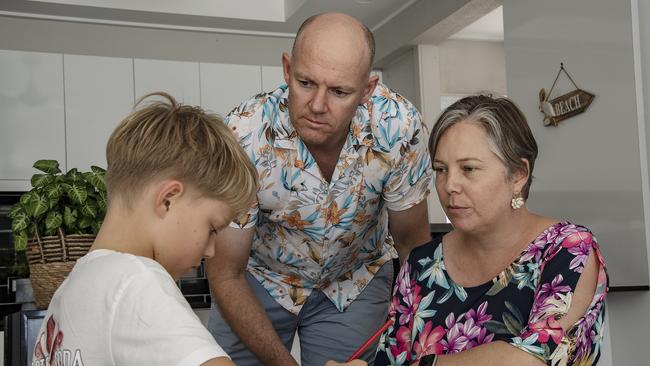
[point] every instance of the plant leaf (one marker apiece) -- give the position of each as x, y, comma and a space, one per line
89, 209
69, 217
20, 221
41, 180
25, 198
98, 170
73, 176
20, 241
54, 190
96, 180
37, 205
96, 226
53, 220
52, 202
86, 222
77, 194
14, 210
48, 166
101, 203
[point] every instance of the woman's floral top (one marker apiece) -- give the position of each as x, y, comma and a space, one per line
521, 306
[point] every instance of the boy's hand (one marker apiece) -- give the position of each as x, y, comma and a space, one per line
351, 363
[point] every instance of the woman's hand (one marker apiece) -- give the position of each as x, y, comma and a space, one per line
351, 363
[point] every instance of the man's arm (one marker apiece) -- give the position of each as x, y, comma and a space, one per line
409, 228
226, 273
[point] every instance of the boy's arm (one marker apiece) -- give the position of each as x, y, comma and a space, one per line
226, 273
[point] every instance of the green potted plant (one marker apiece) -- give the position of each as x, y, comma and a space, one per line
56, 223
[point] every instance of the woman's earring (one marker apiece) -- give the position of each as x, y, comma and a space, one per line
517, 201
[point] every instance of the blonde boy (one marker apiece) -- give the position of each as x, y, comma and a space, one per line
176, 175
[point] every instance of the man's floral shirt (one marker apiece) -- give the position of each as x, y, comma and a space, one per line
332, 236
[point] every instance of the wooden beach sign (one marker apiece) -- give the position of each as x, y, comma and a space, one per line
563, 106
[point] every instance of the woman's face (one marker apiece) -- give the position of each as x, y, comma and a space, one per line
472, 183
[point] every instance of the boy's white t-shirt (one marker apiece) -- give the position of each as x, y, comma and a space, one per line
121, 309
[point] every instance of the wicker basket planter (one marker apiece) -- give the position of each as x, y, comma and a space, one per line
50, 260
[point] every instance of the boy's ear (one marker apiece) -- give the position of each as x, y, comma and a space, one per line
167, 195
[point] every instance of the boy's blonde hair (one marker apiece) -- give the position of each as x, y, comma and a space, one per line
169, 140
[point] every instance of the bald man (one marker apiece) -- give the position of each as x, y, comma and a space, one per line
344, 175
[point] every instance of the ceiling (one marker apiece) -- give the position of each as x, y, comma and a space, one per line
397, 24
254, 17
487, 28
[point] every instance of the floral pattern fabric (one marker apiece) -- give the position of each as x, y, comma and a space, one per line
333, 236
521, 306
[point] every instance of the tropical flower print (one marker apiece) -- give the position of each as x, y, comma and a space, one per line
520, 306
311, 233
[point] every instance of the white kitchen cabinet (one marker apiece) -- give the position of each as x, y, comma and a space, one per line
272, 77
98, 95
225, 86
178, 78
31, 114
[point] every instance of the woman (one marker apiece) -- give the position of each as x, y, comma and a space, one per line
506, 286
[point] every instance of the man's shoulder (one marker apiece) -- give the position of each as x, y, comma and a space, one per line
256, 109
388, 106
383, 94
391, 118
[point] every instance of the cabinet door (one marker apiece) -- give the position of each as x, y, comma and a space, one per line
272, 77
31, 115
178, 78
98, 95
225, 86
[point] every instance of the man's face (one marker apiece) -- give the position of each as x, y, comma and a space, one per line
324, 92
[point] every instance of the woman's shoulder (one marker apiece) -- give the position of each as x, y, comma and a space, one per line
562, 239
564, 230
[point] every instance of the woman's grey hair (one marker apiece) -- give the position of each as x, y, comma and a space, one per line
509, 135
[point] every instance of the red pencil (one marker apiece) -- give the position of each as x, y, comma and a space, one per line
370, 341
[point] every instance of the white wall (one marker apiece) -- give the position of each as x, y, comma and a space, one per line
157, 47
468, 67
450, 68
590, 167
64, 107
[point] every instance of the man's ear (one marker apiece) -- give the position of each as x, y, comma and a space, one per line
286, 67
370, 87
167, 195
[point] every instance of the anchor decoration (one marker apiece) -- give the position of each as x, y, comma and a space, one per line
564, 106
